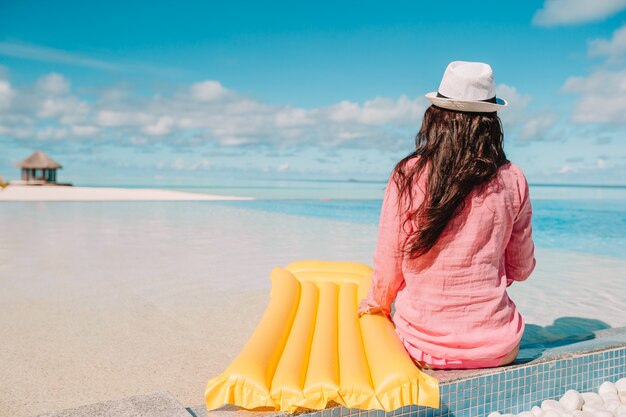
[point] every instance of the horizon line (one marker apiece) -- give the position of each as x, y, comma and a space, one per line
350, 180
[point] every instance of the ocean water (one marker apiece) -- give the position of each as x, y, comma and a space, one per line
586, 219
590, 225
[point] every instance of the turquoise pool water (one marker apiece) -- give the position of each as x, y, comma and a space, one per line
579, 233
585, 225
588, 219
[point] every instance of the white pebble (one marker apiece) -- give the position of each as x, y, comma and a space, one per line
579, 413
593, 408
607, 387
551, 413
612, 405
620, 410
537, 411
592, 398
526, 414
508, 415
609, 396
552, 405
621, 385
572, 400
622, 397
494, 414
566, 414
596, 412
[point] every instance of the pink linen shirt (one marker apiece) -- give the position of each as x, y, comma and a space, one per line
452, 309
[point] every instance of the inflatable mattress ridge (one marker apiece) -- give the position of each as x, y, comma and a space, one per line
311, 348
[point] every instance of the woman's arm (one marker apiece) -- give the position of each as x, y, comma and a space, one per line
387, 277
519, 255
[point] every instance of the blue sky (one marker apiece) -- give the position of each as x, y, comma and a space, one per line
180, 92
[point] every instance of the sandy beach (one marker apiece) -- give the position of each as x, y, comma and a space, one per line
103, 301
63, 193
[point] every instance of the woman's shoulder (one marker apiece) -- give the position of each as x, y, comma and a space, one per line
513, 173
403, 168
410, 161
515, 184
408, 165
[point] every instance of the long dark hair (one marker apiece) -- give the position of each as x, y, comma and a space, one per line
462, 150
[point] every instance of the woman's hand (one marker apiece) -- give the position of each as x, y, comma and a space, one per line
366, 308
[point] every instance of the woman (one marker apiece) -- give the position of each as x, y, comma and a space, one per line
455, 232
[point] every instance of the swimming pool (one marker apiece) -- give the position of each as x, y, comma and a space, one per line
589, 226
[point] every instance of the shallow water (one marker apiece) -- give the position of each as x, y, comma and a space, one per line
589, 226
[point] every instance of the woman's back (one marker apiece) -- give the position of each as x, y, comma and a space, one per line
453, 303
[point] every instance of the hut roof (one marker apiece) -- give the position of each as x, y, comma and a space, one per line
39, 160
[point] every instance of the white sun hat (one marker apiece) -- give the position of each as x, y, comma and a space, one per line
467, 86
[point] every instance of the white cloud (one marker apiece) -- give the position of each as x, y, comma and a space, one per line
602, 93
613, 49
42, 53
568, 12
138, 140
379, 111
85, 131
208, 91
537, 126
180, 164
17, 132
235, 140
113, 118
291, 117
53, 84
6, 94
52, 133
207, 113
519, 120
517, 105
565, 169
46, 102
23, 50
601, 163
602, 97
67, 109
162, 126
282, 167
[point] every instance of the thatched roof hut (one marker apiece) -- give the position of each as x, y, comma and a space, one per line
39, 160
39, 168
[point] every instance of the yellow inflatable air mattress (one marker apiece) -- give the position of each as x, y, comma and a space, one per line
311, 348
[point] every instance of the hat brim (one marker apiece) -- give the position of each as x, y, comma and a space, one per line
468, 106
